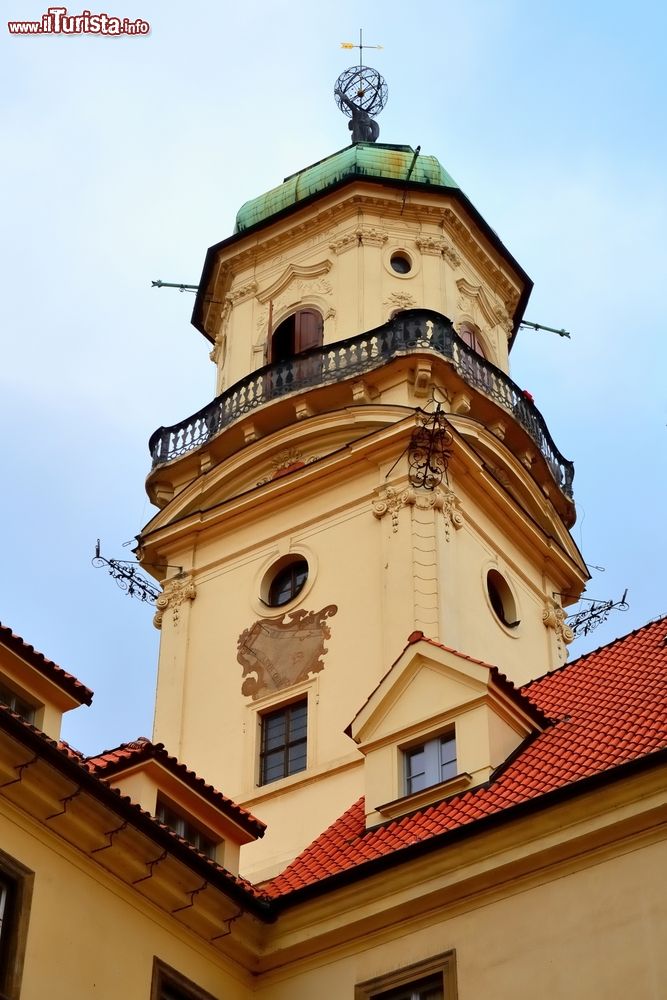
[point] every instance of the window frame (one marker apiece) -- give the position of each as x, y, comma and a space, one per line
164, 976
293, 570
433, 763
288, 744
412, 975
296, 334
181, 823
16, 914
472, 338
18, 703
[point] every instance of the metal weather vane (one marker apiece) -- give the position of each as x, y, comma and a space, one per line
361, 94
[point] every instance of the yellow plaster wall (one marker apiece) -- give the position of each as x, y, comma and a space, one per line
90, 936
355, 289
591, 933
366, 567
387, 575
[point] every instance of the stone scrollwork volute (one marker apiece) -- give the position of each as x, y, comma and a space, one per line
175, 591
553, 617
390, 501
450, 505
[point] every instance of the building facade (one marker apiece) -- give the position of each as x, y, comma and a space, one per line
373, 772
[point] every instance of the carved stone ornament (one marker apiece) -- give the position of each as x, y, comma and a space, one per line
277, 653
400, 300
372, 237
446, 500
504, 319
217, 354
345, 242
464, 238
262, 324
432, 246
237, 295
304, 275
321, 287
553, 617
390, 501
287, 461
176, 590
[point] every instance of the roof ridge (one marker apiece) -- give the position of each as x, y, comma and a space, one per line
55, 673
111, 763
57, 747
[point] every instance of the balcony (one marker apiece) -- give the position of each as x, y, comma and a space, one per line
412, 331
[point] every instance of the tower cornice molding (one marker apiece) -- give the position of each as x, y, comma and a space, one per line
443, 211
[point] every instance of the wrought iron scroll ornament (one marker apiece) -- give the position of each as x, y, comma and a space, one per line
127, 576
597, 612
429, 450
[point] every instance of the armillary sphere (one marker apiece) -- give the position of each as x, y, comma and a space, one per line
363, 87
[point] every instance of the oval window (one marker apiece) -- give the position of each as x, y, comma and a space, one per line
502, 601
287, 583
400, 262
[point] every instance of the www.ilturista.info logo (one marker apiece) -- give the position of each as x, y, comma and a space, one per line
56, 21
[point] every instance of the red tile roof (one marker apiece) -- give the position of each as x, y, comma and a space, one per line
113, 762
610, 709
69, 762
45, 666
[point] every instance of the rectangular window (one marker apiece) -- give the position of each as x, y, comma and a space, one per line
185, 828
15, 893
168, 984
430, 763
434, 979
426, 989
17, 703
283, 742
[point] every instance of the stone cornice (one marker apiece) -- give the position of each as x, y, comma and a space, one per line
320, 223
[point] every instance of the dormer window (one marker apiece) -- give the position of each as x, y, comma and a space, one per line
185, 829
17, 704
430, 763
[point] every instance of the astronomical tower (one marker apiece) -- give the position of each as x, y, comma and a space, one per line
366, 473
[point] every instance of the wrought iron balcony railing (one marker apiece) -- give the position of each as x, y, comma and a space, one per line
412, 330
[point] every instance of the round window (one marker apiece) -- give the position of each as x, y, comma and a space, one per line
502, 601
400, 262
287, 583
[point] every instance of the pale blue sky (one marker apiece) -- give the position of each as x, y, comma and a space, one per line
125, 158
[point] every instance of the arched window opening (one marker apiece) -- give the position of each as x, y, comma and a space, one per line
469, 335
298, 333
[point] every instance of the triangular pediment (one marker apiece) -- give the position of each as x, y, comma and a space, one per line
430, 684
427, 681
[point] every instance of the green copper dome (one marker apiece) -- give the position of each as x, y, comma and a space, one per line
373, 161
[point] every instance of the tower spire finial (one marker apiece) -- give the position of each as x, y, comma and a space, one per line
361, 93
